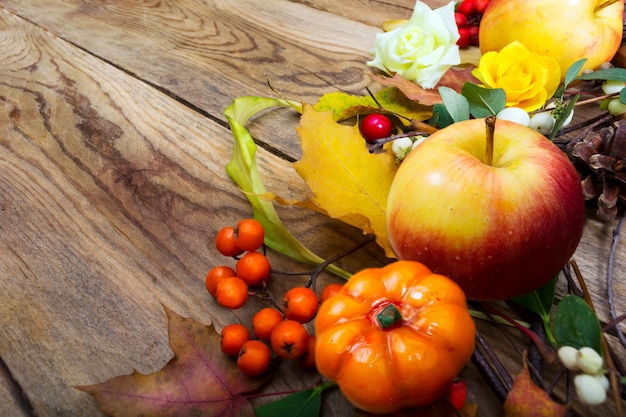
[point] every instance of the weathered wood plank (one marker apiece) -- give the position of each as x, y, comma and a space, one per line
209, 52
110, 190
109, 193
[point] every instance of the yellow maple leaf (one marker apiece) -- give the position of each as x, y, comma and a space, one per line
347, 181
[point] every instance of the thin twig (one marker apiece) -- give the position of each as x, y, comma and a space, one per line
319, 268
506, 378
489, 375
571, 284
609, 277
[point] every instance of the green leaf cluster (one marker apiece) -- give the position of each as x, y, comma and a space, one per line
571, 322
473, 101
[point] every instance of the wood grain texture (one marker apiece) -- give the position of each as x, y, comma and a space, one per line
109, 193
112, 153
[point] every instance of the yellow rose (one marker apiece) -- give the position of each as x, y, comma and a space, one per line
527, 79
423, 50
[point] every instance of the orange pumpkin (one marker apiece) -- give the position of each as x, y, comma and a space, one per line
394, 337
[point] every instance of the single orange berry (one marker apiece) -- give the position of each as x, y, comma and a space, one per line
300, 304
307, 360
329, 291
225, 242
253, 268
254, 358
233, 337
249, 234
232, 292
289, 339
264, 321
215, 275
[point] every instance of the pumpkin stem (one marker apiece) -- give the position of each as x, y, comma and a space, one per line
389, 316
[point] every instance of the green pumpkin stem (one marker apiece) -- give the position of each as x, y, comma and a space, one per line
389, 316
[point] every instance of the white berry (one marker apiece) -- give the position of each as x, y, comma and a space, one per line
542, 122
589, 390
418, 140
589, 361
401, 146
604, 381
514, 114
615, 107
569, 357
612, 86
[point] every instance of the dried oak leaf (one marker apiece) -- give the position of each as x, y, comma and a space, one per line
198, 381
454, 78
347, 181
528, 400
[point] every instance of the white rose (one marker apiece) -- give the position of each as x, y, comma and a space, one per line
423, 50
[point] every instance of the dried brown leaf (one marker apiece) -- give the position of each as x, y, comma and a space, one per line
528, 400
198, 381
454, 78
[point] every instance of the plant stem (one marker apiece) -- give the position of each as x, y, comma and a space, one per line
548, 354
318, 269
490, 121
609, 276
605, 345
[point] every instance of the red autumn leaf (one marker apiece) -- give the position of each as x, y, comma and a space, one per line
199, 380
528, 400
454, 78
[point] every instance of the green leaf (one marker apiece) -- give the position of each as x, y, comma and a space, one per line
484, 101
301, 404
440, 118
561, 120
622, 96
573, 71
243, 171
618, 74
540, 302
457, 105
305, 403
575, 324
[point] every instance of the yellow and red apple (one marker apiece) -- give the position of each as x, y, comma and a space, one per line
499, 230
567, 30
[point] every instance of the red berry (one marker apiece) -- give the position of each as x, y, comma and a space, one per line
473, 35
481, 5
467, 7
464, 38
375, 126
458, 393
460, 19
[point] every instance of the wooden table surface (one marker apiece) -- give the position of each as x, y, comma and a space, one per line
112, 152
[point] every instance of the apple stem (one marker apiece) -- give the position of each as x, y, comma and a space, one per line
490, 121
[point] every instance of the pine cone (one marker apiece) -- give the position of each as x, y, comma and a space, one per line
602, 157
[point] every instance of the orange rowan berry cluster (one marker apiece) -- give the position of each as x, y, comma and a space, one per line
275, 331
230, 286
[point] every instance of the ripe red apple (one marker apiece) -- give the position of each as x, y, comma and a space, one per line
565, 30
499, 230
